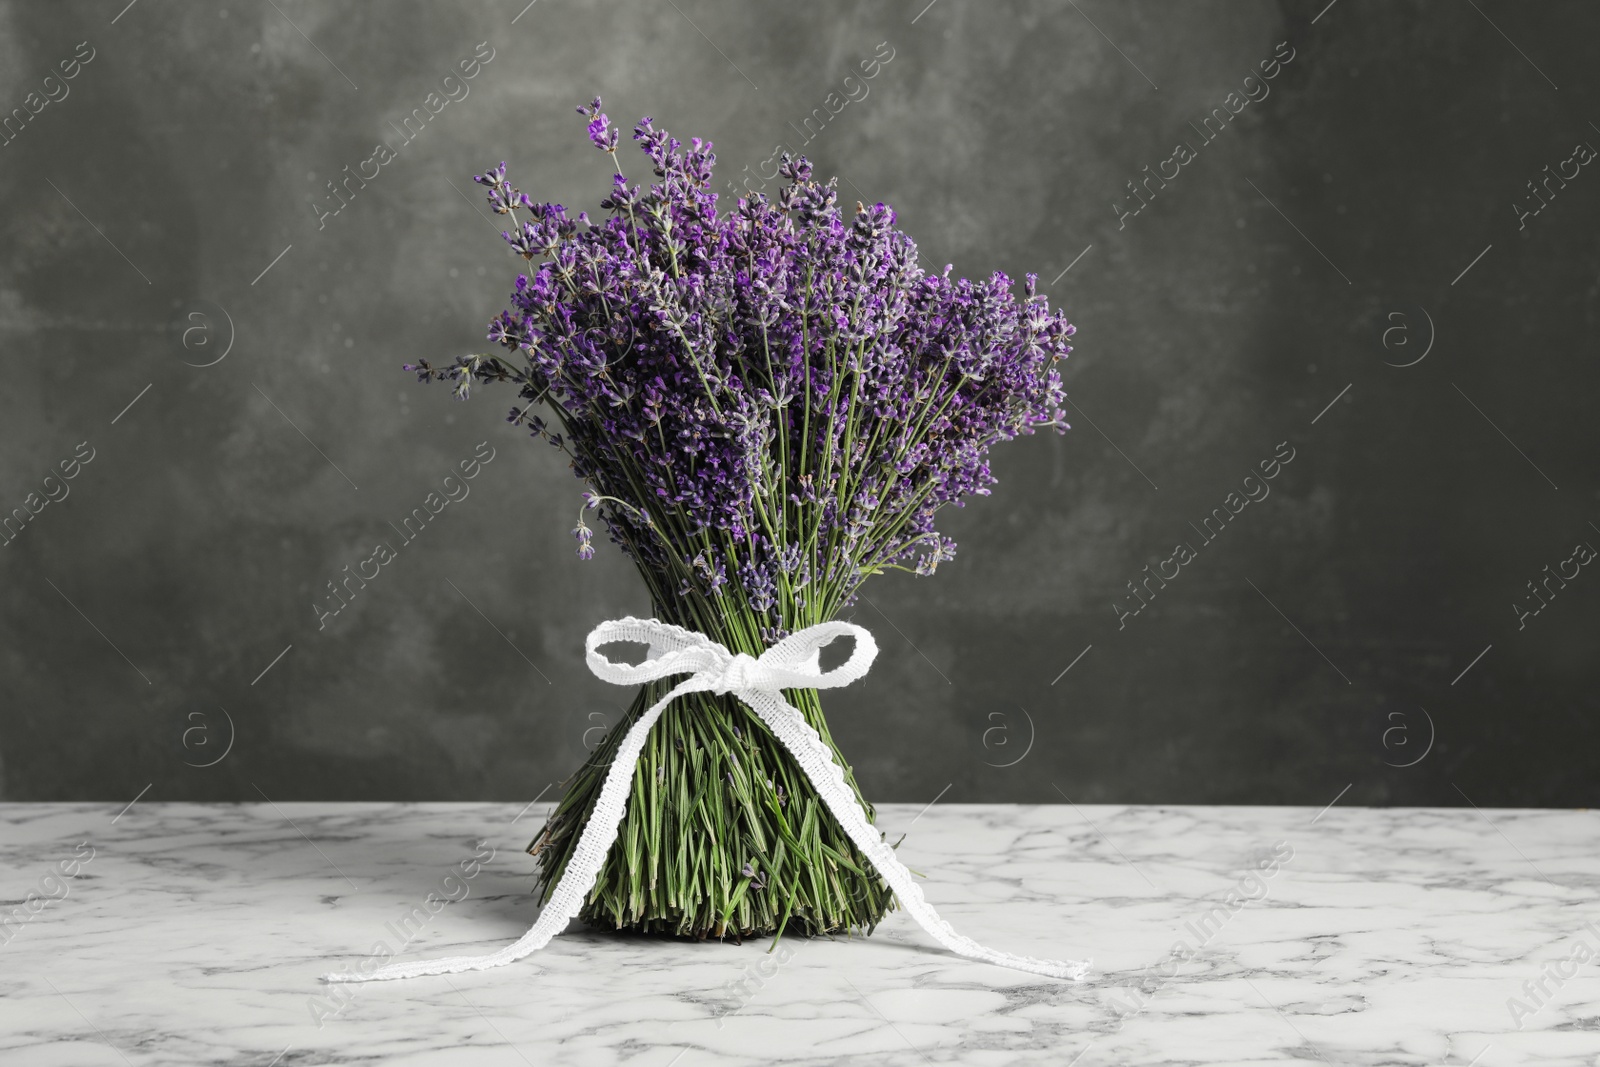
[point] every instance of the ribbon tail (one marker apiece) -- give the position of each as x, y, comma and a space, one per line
817, 761
579, 877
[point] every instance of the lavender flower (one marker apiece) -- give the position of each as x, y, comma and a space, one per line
781, 386
757, 879
585, 538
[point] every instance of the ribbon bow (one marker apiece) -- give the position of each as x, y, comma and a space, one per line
792, 663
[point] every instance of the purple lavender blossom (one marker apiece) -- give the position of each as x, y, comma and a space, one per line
769, 404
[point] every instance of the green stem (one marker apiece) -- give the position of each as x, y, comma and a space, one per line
713, 793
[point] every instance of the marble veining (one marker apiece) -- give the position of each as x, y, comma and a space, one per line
194, 933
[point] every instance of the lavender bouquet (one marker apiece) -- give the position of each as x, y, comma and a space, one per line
767, 407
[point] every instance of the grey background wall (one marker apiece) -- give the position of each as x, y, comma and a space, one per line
1343, 268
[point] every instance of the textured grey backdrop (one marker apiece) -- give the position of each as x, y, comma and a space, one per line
1299, 279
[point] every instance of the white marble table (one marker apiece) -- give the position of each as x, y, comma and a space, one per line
195, 933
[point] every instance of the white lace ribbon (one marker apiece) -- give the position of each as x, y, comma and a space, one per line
792, 663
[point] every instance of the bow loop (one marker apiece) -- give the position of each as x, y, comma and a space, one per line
796, 661
672, 650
